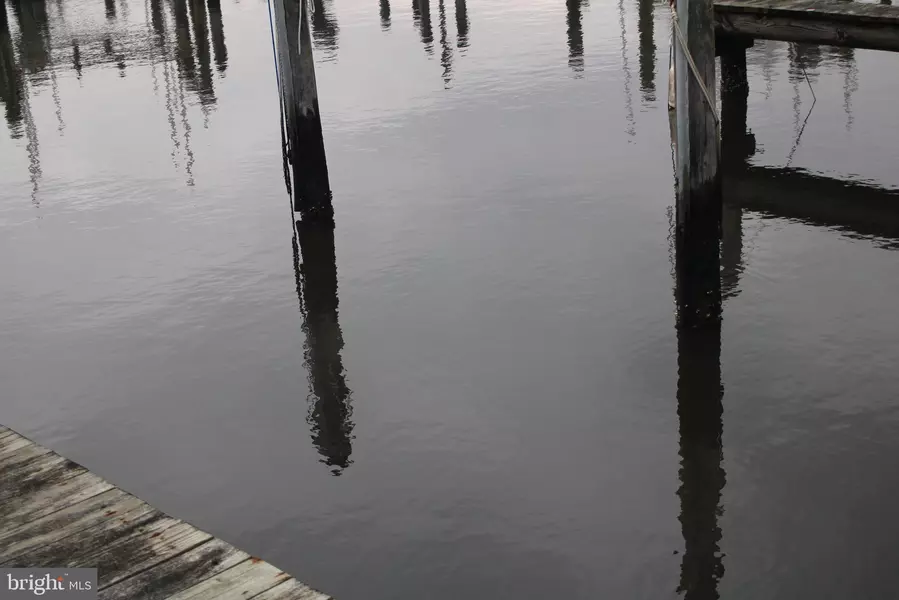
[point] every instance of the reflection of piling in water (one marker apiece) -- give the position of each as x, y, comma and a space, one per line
184, 52
76, 58
628, 99
34, 44
461, 24
702, 478
324, 25
845, 58
385, 14
11, 81
804, 60
423, 10
330, 410
575, 36
219, 50
647, 50
446, 50
306, 148
205, 88
157, 20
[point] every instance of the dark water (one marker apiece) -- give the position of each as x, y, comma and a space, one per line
475, 387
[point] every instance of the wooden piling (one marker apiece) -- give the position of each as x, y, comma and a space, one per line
311, 187
737, 144
697, 136
698, 205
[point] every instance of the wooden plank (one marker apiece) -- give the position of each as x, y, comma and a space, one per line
11, 444
53, 512
70, 550
698, 182
22, 455
49, 529
291, 590
177, 574
245, 580
54, 496
132, 545
155, 548
28, 477
828, 22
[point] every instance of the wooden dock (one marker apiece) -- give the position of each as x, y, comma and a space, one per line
56, 513
827, 22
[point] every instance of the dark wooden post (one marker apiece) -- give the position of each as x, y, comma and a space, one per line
4, 23
311, 187
737, 146
737, 143
697, 155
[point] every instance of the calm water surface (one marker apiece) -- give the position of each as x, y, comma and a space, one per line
491, 410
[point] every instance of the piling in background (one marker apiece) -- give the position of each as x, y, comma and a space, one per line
306, 148
737, 144
737, 147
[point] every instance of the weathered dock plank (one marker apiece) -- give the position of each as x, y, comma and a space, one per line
828, 22
56, 513
47, 495
54, 527
176, 573
245, 580
154, 548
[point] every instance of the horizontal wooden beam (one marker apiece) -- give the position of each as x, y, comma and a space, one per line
826, 22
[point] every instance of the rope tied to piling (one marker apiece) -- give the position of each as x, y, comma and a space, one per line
693, 68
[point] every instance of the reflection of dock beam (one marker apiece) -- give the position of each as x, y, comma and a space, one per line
854, 207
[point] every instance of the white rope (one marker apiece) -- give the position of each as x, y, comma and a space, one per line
693, 68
